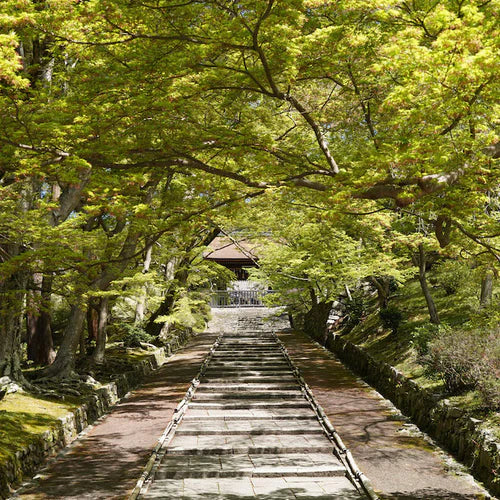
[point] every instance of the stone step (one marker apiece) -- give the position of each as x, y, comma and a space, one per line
292, 465
252, 488
248, 444
251, 414
247, 405
258, 450
251, 343
249, 367
221, 372
248, 351
246, 386
223, 427
250, 346
253, 432
244, 379
233, 355
249, 363
237, 395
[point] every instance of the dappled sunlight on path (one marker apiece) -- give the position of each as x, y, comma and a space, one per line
107, 461
401, 464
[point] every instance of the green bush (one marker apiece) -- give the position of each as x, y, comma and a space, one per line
391, 317
355, 309
423, 335
467, 359
452, 275
133, 335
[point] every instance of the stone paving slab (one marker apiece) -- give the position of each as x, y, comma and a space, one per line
290, 465
246, 386
249, 413
242, 379
244, 405
250, 426
254, 394
254, 488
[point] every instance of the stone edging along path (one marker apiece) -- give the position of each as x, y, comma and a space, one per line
26, 461
449, 425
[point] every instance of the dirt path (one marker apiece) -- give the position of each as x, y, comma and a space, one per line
392, 453
108, 460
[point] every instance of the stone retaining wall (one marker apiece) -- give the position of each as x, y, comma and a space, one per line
451, 426
27, 461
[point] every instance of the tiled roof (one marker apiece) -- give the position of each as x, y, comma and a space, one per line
224, 249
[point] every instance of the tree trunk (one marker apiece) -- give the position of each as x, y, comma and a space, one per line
419, 260
92, 320
141, 302
40, 348
11, 313
100, 348
315, 320
64, 363
383, 287
180, 278
486, 289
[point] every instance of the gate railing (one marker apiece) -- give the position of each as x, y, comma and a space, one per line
238, 298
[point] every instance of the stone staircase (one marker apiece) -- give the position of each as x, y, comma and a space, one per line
249, 432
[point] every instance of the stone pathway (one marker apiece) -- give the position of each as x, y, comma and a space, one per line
108, 460
401, 462
249, 432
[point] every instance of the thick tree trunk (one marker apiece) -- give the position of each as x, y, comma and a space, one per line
39, 324
419, 260
100, 348
315, 320
64, 363
11, 314
486, 289
141, 302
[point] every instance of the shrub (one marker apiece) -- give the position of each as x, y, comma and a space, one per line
467, 359
423, 335
354, 310
391, 317
134, 335
452, 275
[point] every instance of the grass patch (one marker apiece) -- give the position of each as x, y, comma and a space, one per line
24, 417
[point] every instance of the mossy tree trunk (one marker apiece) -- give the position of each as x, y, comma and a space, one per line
11, 315
486, 288
419, 260
140, 307
64, 364
315, 320
383, 286
103, 316
39, 322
